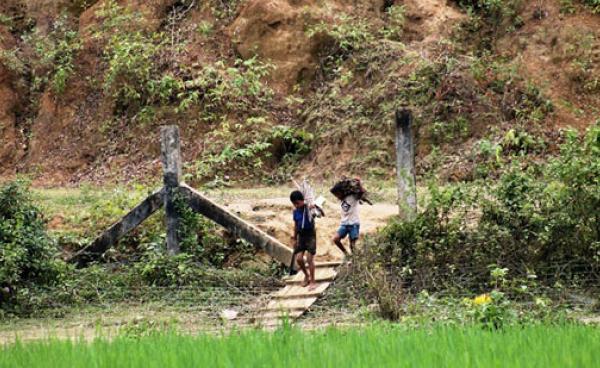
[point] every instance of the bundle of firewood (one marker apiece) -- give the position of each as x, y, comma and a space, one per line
314, 203
351, 186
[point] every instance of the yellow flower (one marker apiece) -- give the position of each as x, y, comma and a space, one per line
482, 299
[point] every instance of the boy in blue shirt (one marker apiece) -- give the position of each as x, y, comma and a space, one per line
305, 238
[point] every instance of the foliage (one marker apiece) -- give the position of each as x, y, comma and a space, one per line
250, 147
12, 60
6, 21
144, 77
567, 7
495, 11
395, 22
493, 310
453, 98
583, 70
594, 5
129, 78
55, 53
132, 77
221, 9
536, 216
205, 28
445, 132
38, 283
28, 254
349, 33
489, 19
521, 142
218, 89
51, 61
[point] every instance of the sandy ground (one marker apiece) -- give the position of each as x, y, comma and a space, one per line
274, 215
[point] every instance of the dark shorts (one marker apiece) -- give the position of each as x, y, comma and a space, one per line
307, 242
352, 230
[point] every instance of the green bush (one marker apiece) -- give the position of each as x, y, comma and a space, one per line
130, 56
251, 146
27, 253
217, 89
567, 7
489, 19
395, 19
144, 76
537, 215
51, 62
129, 78
495, 11
594, 5
349, 33
55, 54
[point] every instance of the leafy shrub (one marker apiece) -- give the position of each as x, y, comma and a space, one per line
396, 18
533, 218
491, 310
489, 19
12, 60
594, 5
349, 33
251, 146
55, 54
443, 132
567, 7
129, 78
161, 269
218, 88
51, 61
27, 253
221, 9
495, 11
144, 77
6, 21
130, 55
583, 69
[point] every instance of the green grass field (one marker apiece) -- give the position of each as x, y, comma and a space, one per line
375, 346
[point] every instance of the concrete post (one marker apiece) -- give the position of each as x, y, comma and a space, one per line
171, 161
405, 165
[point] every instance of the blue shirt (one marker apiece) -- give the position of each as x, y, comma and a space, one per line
303, 219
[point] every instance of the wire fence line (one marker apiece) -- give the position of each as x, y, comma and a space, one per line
343, 302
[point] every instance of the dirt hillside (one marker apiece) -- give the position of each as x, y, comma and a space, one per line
266, 89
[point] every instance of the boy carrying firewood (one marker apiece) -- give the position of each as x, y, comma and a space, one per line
350, 192
305, 238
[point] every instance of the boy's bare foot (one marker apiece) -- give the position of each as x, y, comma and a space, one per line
305, 282
312, 286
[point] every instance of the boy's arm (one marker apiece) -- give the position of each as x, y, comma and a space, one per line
295, 236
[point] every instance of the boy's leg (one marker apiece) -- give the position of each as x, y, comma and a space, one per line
302, 265
337, 239
352, 243
354, 234
311, 268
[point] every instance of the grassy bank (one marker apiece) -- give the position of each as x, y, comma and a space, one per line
376, 346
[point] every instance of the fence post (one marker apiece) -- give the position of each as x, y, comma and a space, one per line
171, 161
405, 165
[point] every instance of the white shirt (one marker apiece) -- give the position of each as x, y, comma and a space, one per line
350, 211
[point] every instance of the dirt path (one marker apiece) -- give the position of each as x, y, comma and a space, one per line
274, 215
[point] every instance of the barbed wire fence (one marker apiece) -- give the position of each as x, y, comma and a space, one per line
200, 308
